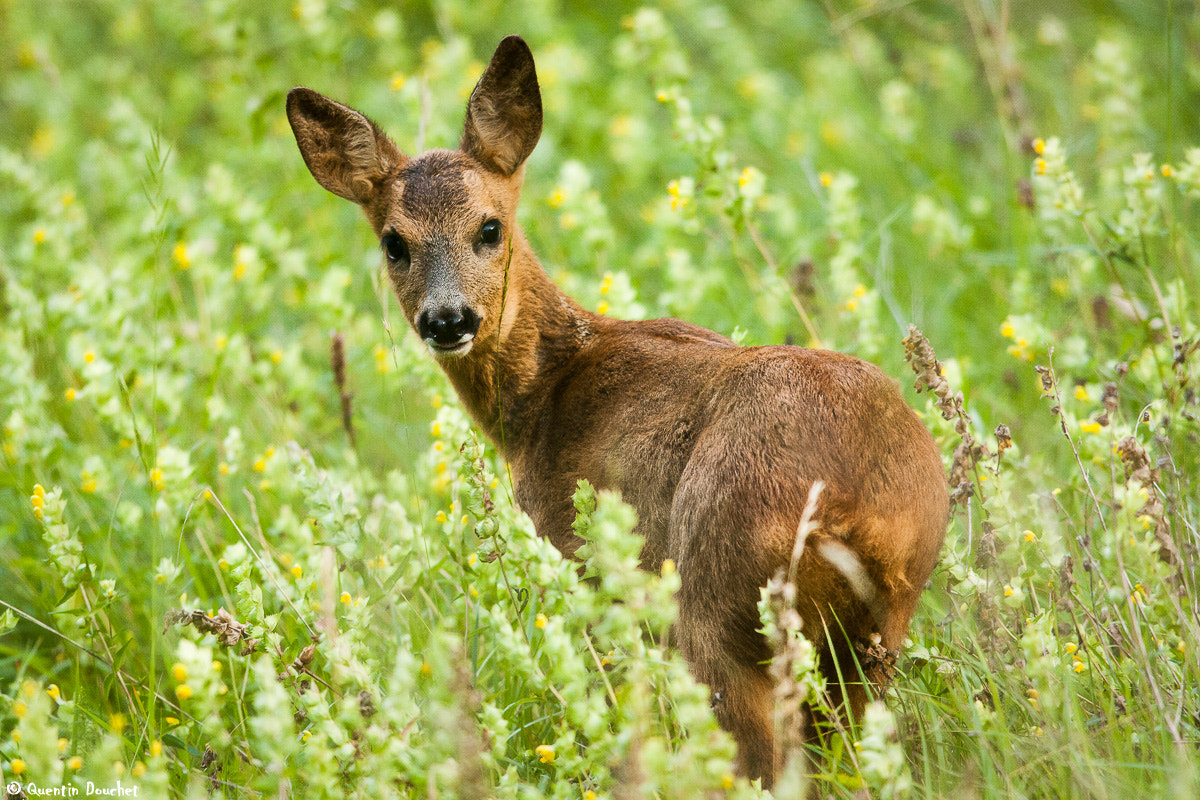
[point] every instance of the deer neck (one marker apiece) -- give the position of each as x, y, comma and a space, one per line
503, 381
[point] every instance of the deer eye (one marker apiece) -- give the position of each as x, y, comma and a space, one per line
490, 232
396, 249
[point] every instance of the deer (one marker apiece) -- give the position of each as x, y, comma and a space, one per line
715, 445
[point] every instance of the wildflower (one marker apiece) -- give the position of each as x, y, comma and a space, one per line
297, 570
88, 483
1081, 392
1090, 427
602, 308
54, 692
179, 672
471, 559
1181, 648
606, 284
156, 748
1079, 666
435, 429
75, 763
540, 622
1071, 647
183, 691
1039, 166
436, 402
180, 254
39, 236
20, 709
1006, 330
589, 795
1167, 171
223, 468
156, 479
826, 179
545, 753
260, 465
1039, 146
441, 517
1030, 536
70, 394
556, 198
727, 780
398, 81
62, 745
16, 736
276, 356
661, 96
851, 305
1008, 590
668, 567
17, 766
426, 669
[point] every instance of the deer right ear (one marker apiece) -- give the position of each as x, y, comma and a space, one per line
504, 114
347, 153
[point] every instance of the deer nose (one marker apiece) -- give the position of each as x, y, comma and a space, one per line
448, 327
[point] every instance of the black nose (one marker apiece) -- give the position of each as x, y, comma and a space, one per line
446, 326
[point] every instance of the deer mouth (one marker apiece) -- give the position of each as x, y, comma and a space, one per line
457, 349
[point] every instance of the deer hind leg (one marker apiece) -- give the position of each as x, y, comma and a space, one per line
742, 693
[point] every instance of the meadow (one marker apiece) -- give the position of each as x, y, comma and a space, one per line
250, 545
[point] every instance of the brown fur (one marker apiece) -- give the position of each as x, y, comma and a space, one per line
716, 446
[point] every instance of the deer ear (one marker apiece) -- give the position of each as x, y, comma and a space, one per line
347, 153
504, 114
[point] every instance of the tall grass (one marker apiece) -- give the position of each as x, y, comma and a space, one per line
233, 565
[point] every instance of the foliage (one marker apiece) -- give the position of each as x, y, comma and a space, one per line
369, 616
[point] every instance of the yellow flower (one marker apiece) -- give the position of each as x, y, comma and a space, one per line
1039, 146
1008, 591
344, 598
426, 670
540, 622
37, 501
556, 198
39, 236
441, 517
746, 176
276, 356
305, 735
826, 179
156, 748
75, 763
727, 780
62, 745
179, 672
172, 720
1081, 392
183, 691
1167, 171
606, 284
223, 468
297, 570
180, 254
668, 567
1006, 330
260, 465
435, 429
20, 708
17, 766
589, 795
1090, 427
851, 305
1030, 537
1039, 166
89, 357
70, 394
1079, 666
545, 753
38, 491
398, 81
16, 736
88, 486
661, 96
54, 691
156, 479
860, 290
602, 308
436, 402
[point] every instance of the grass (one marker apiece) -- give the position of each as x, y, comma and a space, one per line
1019, 183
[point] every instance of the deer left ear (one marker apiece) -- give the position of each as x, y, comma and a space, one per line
504, 114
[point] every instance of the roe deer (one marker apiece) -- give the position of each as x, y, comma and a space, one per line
715, 445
